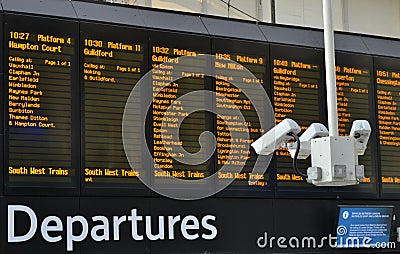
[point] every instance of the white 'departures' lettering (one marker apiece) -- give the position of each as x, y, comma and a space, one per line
190, 227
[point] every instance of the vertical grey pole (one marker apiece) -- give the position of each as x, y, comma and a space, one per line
273, 14
204, 6
260, 10
346, 15
330, 69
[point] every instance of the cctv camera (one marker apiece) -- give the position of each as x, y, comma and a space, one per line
315, 130
361, 131
276, 137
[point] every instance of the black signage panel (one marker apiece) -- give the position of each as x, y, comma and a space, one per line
39, 224
387, 82
220, 228
113, 59
254, 57
355, 102
41, 104
298, 93
2, 98
129, 233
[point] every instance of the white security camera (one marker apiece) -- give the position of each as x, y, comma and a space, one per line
276, 137
334, 159
361, 131
315, 130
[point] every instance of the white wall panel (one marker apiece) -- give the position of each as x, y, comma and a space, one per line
216, 7
376, 17
249, 7
178, 5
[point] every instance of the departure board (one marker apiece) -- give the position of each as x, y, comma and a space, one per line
2, 115
113, 59
298, 87
387, 80
41, 122
353, 84
254, 57
164, 48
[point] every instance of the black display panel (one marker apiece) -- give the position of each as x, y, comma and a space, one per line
355, 102
387, 82
164, 48
2, 98
298, 93
42, 97
113, 59
254, 57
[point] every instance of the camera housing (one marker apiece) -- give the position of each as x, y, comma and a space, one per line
276, 137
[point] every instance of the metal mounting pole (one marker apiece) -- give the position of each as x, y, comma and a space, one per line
330, 69
273, 14
204, 6
260, 11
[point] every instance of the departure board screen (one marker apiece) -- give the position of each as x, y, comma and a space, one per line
353, 83
41, 124
2, 98
298, 87
387, 80
164, 48
254, 57
113, 59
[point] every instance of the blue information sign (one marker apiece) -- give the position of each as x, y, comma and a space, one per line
363, 226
